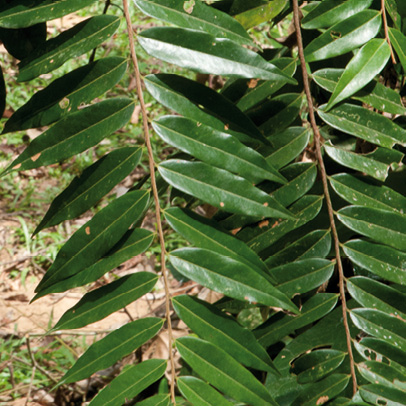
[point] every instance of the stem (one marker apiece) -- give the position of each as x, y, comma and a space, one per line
317, 139
385, 26
156, 196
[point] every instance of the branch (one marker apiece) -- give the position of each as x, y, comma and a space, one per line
385, 26
330, 210
156, 196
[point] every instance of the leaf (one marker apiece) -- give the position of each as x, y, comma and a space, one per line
157, 400
198, 17
66, 94
302, 276
223, 371
215, 148
363, 67
344, 36
391, 7
398, 41
229, 276
130, 383
382, 226
381, 260
21, 13
203, 104
279, 326
358, 191
99, 303
381, 325
74, 42
204, 53
96, 237
211, 324
315, 365
379, 394
200, 393
374, 93
330, 12
74, 134
110, 349
377, 372
3, 93
134, 242
220, 189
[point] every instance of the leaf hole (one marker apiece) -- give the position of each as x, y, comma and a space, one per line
381, 402
188, 6
335, 34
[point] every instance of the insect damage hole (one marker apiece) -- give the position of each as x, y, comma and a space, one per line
188, 6
87, 230
35, 157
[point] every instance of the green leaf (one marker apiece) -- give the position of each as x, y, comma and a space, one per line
216, 327
96, 237
134, 242
398, 41
374, 93
116, 345
196, 16
378, 372
206, 54
330, 12
74, 42
381, 260
358, 191
223, 371
382, 395
279, 326
3, 93
66, 94
322, 391
382, 226
215, 148
88, 188
75, 133
315, 365
344, 36
363, 67
302, 276
381, 325
101, 302
22, 13
392, 9
157, 400
229, 276
130, 383
221, 189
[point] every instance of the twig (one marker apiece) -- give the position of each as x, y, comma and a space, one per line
330, 210
156, 196
385, 26
31, 384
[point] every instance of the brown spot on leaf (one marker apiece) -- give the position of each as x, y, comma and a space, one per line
35, 157
221, 204
87, 230
235, 231
322, 399
227, 126
17, 166
275, 224
263, 223
266, 204
64, 103
252, 83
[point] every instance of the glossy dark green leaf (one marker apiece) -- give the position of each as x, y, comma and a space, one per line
229, 276
101, 302
382, 395
330, 12
398, 41
3, 93
376, 295
375, 93
381, 260
215, 326
75, 133
265, 233
199, 393
391, 7
344, 36
223, 371
74, 42
130, 383
221, 189
204, 53
317, 364
22, 13
279, 326
363, 67
215, 148
134, 242
302, 276
203, 104
381, 325
382, 226
316, 244
95, 238
157, 400
116, 345
357, 190
378, 372
66, 94
320, 392
88, 188
197, 16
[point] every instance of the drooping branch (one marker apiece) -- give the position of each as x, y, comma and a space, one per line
156, 196
317, 139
